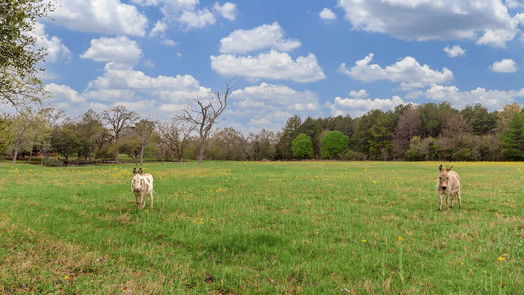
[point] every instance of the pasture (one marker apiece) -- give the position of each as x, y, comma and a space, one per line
262, 228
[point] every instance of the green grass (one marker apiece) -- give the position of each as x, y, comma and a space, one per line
261, 228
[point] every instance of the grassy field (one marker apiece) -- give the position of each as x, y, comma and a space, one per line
262, 228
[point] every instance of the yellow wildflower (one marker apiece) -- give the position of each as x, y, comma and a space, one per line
400, 238
500, 258
66, 277
364, 241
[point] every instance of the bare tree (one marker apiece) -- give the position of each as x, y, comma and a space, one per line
409, 125
204, 114
118, 119
143, 130
176, 135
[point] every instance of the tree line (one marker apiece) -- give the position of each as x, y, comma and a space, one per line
415, 133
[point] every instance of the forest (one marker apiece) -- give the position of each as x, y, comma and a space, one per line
423, 132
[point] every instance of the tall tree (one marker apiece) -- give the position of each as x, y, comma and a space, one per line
118, 119
204, 114
408, 125
228, 144
92, 130
65, 142
19, 56
479, 119
513, 139
175, 135
262, 145
143, 131
283, 149
505, 116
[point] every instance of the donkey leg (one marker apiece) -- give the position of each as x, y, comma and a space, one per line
460, 199
440, 201
151, 199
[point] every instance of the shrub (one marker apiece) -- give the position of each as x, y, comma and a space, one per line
334, 145
302, 147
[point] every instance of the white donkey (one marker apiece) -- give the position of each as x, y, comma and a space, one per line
141, 185
448, 183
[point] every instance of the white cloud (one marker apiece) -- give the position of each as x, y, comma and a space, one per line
361, 93
272, 65
159, 29
504, 66
120, 50
188, 14
327, 14
100, 16
264, 36
454, 51
492, 99
197, 19
118, 76
228, 10
56, 50
407, 71
121, 84
513, 4
359, 106
433, 20
496, 38
274, 96
63, 93
169, 42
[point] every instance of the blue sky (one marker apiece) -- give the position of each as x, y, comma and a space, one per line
311, 58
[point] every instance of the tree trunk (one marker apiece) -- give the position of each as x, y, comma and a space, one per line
15, 155
201, 150
30, 156
142, 154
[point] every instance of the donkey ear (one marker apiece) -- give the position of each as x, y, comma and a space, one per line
134, 170
440, 167
140, 171
449, 169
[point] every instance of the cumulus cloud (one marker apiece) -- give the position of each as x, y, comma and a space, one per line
275, 96
120, 50
227, 10
359, 106
268, 105
496, 38
55, 48
121, 84
64, 93
504, 66
433, 20
197, 19
407, 71
264, 36
188, 14
361, 93
100, 16
159, 29
454, 51
327, 14
492, 99
272, 65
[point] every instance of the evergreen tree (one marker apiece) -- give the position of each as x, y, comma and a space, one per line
283, 149
513, 139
